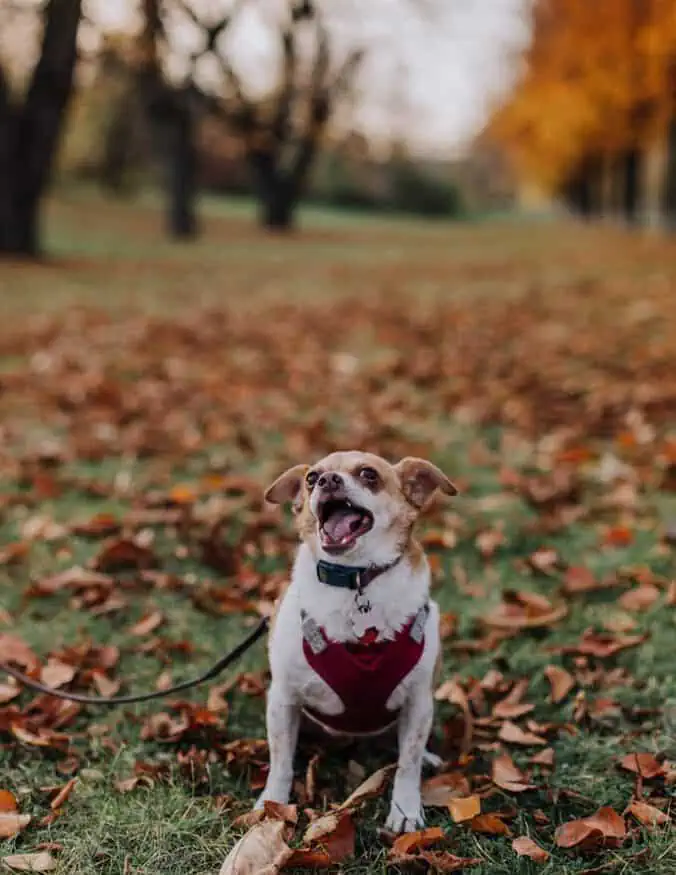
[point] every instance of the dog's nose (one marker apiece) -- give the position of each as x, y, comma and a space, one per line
330, 482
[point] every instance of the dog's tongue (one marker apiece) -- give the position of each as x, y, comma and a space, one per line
342, 523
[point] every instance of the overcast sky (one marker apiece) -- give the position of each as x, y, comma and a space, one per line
432, 69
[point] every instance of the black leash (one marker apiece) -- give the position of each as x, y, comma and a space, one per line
215, 669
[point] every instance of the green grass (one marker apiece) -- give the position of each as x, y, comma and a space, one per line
115, 261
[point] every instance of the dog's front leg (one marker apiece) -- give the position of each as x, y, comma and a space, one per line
283, 721
415, 724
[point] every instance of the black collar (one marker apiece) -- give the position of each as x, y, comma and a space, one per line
350, 576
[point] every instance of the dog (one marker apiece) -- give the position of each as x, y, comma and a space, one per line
354, 642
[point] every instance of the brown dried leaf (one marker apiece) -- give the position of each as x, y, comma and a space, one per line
641, 598
261, 851
606, 827
506, 775
561, 682
8, 801
124, 554
147, 624
56, 673
647, 814
643, 764
526, 847
42, 861
277, 811
437, 792
513, 734
11, 823
373, 786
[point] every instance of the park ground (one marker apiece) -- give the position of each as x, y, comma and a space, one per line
149, 392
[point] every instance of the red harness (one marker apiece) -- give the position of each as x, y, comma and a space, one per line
363, 674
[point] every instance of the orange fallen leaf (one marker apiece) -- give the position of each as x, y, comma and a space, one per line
63, 794
8, 801
373, 786
124, 554
561, 682
618, 536
526, 847
646, 814
489, 824
464, 808
524, 610
418, 841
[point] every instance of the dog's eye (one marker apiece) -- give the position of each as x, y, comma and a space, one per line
369, 476
311, 478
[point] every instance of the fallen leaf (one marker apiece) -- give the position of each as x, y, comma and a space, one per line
647, 814
63, 794
124, 554
39, 862
506, 775
418, 841
606, 827
543, 758
11, 823
464, 808
8, 801
618, 536
578, 579
489, 824
55, 674
513, 734
338, 843
147, 624
373, 786
643, 764
437, 792
641, 598
526, 847
523, 610
14, 650
261, 851
560, 681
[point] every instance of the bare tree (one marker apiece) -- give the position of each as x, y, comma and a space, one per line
30, 128
282, 134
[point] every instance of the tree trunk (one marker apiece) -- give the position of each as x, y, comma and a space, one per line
29, 133
278, 210
669, 194
632, 185
182, 170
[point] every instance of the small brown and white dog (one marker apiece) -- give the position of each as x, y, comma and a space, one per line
355, 640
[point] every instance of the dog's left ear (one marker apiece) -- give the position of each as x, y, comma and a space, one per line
420, 479
288, 487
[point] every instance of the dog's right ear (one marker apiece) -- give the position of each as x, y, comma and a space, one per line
288, 487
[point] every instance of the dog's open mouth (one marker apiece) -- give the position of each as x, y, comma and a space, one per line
341, 523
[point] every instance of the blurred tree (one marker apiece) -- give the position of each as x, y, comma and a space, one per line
596, 99
30, 125
281, 133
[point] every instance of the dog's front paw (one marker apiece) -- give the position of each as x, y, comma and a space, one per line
272, 794
405, 816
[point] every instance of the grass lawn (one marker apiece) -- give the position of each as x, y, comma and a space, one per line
148, 393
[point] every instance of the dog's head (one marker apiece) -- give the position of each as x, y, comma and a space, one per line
356, 506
